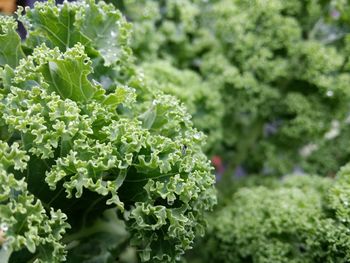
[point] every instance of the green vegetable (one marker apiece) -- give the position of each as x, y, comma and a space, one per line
94, 142
280, 70
25, 223
291, 222
162, 42
201, 100
283, 88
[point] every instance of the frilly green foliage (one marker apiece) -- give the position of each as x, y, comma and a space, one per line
162, 41
201, 100
340, 195
93, 136
292, 222
10, 43
25, 225
282, 71
169, 30
281, 85
280, 67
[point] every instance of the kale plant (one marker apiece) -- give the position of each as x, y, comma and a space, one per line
89, 146
281, 69
302, 219
168, 43
284, 87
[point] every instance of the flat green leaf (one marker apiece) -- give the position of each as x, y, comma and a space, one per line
5, 255
148, 117
102, 28
10, 42
67, 76
57, 28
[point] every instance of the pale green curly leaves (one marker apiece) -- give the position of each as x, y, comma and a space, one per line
288, 222
98, 146
97, 26
24, 222
67, 76
10, 42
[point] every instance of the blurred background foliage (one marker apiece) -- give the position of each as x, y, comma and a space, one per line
280, 71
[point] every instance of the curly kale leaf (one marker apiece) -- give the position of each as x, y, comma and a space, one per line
11, 50
28, 231
99, 141
292, 222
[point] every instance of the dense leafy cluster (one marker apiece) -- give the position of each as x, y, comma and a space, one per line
200, 99
284, 88
103, 125
162, 41
89, 141
170, 30
280, 68
25, 225
299, 220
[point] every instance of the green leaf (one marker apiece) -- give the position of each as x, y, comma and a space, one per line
67, 76
55, 27
149, 117
101, 242
10, 42
25, 222
81, 147
116, 98
5, 254
102, 29
6, 75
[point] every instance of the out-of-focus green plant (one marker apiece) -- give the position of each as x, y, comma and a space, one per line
281, 69
283, 88
170, 30
290, 222
340, 197
86, 143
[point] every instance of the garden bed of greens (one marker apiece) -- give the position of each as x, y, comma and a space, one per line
175, 131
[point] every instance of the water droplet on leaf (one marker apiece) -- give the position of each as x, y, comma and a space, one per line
197, 135
4, 227
330, 93
113, 34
